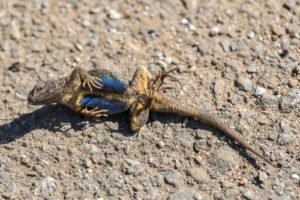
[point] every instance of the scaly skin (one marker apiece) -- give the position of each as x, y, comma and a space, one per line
107, 95
163, 104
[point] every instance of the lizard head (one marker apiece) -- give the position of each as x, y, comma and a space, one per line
46, 92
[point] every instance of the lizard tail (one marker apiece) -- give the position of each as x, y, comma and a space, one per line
164, 104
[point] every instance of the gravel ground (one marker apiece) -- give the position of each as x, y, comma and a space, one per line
239, 60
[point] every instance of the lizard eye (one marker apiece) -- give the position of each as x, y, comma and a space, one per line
38, 88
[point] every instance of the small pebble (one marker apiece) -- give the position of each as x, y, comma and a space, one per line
113, 14
168, 60
272, 136
185, 194
160, 144
184, 21
48, 184
251, 70
199, 174
244, 84
214, 31
249, 194
285, 138
295, 177
173, 178
21, 96
87, 163
293, 83
243, 181
251, 35
262, 176
260, 91
234, 46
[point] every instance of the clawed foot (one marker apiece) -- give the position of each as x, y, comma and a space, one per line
157, 82
95, 112
92, 82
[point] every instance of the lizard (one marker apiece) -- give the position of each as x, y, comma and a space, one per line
100, 93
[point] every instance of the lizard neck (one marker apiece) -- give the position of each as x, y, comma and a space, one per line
57, 93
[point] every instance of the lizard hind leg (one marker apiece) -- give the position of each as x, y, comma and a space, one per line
139, 114
156, 83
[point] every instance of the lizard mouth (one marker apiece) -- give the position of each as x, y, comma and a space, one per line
32, 96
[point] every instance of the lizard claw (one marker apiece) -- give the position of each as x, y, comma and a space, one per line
92, 82
157, 82
95, 112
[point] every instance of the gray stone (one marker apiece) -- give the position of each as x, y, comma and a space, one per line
87, 163
132, 167
48, 184
285, 138
220, 89
283, 197
173, 178
272, 136
115, 15
214, 31
184, 138
251, 34
234, 46
203, 48
291, 101
244, 84
262, 177
157, 180
257, 49
268, 101
151, 194
224, 158
295, 177
160, 144
249, 194
293, 30
227, 184
200, 145
232, 193
185, 194
225, 44
90, 149
199, 174
184, 21
289, 4
251, 70
260, 91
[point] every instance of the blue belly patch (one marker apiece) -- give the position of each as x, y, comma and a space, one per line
92, 101
112, 84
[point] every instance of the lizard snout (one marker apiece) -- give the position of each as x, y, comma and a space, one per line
33, 93
30, 98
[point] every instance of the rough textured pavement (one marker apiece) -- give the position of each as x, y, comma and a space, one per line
239, 60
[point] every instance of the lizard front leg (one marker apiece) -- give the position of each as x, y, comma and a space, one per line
86, 79
95, 112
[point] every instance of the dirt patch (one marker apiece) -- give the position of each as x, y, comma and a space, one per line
239, 60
